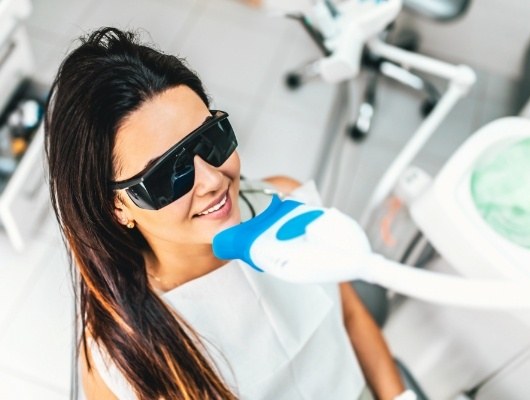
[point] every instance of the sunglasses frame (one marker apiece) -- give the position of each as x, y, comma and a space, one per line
139, 179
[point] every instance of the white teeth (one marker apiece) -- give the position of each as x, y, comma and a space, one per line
215, 208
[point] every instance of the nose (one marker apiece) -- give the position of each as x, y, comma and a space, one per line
207, 177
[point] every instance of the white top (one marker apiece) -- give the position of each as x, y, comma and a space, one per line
270, 339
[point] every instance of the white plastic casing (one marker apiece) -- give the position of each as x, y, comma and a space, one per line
358, 22
327, 252
447, 216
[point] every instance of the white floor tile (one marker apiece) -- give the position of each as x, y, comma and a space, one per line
59, 16
398, 116
373, 162
49, 229
13, 386
248, 18
37, 341
49, 49
43, 45
285, 143
18, 273
397, 113
312, 101
242, 113
492, 110
231, 55
158, 22
454, 130
500, 99
339, 188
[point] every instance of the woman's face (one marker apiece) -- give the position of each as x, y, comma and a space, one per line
146, 134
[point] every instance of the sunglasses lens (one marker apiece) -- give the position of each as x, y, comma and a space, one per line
183, 181
140, 197
216, 144
171, 180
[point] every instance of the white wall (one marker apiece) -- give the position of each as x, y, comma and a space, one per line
494, 35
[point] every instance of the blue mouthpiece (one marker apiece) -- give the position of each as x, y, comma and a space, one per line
235, 242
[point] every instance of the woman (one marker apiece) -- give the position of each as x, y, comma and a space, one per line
142, 176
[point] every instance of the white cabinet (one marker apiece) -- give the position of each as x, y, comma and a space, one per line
23, 193
24, 201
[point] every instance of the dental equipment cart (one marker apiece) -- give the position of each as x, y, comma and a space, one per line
23, 193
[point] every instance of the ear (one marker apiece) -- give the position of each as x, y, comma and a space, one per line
121, 210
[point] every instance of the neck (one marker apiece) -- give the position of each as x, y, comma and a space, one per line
172, 266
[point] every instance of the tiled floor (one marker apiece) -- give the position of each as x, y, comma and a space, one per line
242, 56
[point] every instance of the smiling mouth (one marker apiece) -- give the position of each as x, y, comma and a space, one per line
215, 207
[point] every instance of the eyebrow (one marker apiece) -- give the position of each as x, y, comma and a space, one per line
153, 160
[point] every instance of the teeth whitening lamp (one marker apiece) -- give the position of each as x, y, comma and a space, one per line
305, 244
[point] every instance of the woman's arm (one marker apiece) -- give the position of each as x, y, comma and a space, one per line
93, 385
370, 347
284, 184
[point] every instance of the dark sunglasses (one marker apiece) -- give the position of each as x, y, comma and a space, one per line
173, 174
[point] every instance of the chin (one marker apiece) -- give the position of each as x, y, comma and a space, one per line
234, 219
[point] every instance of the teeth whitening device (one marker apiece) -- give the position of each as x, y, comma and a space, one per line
475, 212
305, 244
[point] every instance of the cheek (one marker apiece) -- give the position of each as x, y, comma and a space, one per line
169, 223
231, 169
233, 166
171, 228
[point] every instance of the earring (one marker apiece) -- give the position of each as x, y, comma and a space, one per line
130, 224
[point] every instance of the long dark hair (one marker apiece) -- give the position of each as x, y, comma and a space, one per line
101, 82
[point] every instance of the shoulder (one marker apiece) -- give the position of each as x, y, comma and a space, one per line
255, 195
284, 184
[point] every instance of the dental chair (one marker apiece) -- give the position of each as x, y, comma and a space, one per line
377, 66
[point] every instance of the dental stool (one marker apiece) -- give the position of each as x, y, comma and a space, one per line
439, 10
